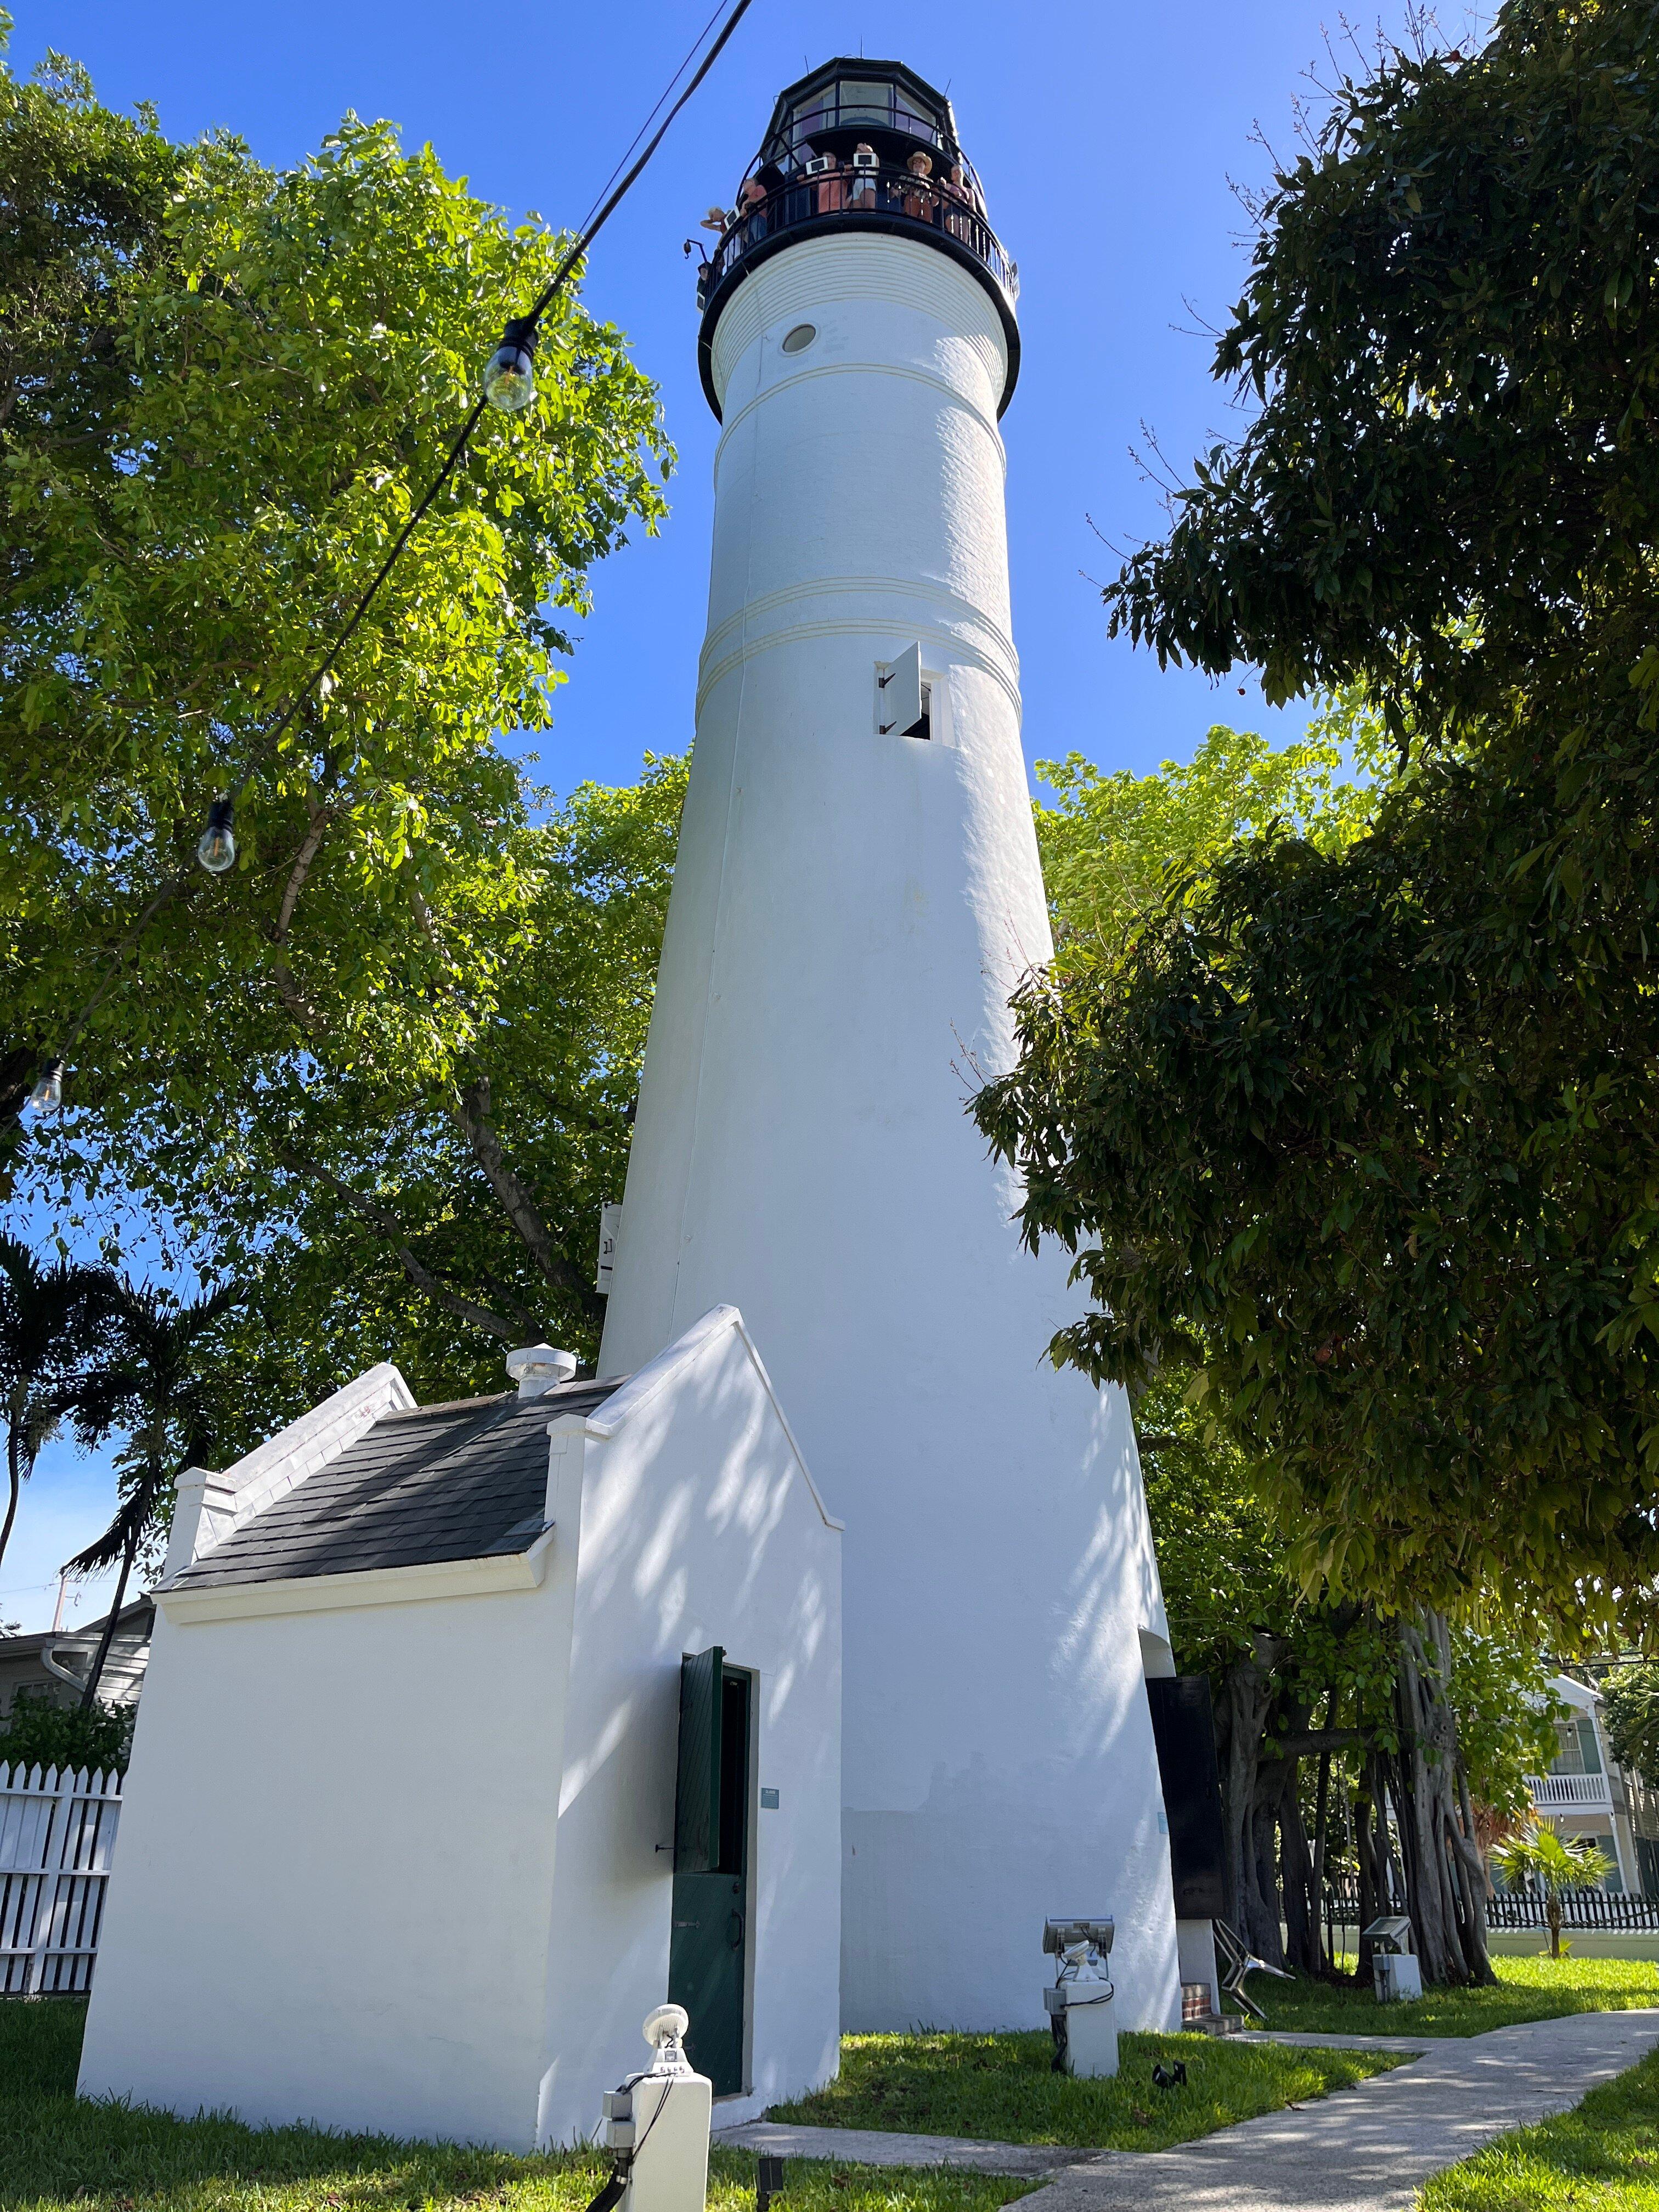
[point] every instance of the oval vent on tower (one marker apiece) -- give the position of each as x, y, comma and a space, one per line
800, 337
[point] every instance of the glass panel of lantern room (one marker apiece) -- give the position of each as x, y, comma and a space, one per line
866, 103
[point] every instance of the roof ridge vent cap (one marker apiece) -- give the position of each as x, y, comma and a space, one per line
538, 1367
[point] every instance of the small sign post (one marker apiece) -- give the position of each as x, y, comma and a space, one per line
609, 1226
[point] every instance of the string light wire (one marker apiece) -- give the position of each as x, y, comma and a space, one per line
528, 322
612, 195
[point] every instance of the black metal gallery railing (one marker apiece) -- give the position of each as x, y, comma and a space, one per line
891, 198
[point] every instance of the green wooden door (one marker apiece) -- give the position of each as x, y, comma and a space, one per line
708, 1950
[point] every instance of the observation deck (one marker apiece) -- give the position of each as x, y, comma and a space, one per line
859, 145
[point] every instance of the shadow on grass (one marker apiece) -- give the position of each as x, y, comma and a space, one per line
57, 2150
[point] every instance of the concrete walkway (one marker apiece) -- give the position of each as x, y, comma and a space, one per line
1365, 2149
882, 2146
1314, 2039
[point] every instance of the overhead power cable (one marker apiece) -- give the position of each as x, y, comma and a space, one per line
520, 329
509, 385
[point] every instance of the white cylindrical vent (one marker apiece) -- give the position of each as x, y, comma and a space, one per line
540, 1367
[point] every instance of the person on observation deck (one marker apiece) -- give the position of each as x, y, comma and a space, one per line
958, 205
919, 196
828, 185
751, 204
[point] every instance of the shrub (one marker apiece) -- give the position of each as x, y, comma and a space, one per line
36, 1732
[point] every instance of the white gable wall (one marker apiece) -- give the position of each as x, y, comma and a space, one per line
337, 1897
699, 1526
331, 1895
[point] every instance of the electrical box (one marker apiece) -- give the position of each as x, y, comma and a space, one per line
667, 2134
1396, 1976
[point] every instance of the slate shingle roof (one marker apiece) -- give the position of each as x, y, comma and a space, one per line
465, 1481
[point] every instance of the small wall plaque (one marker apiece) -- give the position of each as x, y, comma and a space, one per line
769, 1801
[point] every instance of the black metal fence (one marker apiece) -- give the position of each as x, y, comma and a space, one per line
1524, 1909
896, 198
1580, 1908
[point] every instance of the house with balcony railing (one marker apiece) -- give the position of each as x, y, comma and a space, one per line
1587, 1795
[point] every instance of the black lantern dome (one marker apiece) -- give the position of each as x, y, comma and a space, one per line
841, 154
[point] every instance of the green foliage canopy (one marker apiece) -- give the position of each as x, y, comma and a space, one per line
381, 1068
226, 424
1632, 1706
1114, 843
1229, 1577
1367, 1136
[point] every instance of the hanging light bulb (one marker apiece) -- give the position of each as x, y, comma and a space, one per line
217, 849
509, 380
47, 1095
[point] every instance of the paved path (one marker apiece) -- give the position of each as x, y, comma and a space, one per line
882, 2146
1315, 2039
1365, 2149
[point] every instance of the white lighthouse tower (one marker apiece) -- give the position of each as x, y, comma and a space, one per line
856, 894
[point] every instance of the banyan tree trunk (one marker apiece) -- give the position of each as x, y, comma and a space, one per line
1371, 1848
1445, 1888
1303, 1949
1325, 1963
1261, 1902
1247, 1695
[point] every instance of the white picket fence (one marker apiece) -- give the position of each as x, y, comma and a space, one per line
57, 1838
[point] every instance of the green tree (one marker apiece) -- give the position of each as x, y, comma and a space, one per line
1325, 1707
161, 1384
1538, 1856
381, 1062
1632, 1706
243, 378
36, 1732
1367, 1136
1112, 843
52, 1314
1331, 1717
375, 1209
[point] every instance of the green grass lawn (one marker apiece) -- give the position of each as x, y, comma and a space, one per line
1528, 1989
57, 2151
1602, 2156
999, 2088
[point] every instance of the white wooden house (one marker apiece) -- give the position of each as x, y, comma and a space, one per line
471, 1732
1588, 1797
52, 1665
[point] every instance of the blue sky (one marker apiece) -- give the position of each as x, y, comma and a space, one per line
1106, 135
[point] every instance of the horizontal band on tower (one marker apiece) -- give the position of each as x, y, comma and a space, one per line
952, 393
954, 649
961, 617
